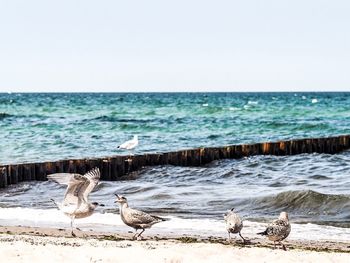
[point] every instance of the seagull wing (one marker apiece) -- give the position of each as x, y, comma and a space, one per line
137, 217
126, 145
79, 186
278, 228
92, 177
129, 144
74, 182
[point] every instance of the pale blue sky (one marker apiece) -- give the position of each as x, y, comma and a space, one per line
266, 45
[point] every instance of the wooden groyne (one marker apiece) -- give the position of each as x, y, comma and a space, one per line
116, 166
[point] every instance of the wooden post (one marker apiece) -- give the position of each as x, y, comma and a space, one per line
283, 148
3, 177
106, 170
265, 148
172, 158
114, 168
120, 166
12, 171
193, 157
40, 172
50, 168
163, 159
27, 172
182, 155
206, 155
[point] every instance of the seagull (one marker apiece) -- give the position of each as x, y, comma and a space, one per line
136, 218
234, 224
278, 229
75, 203
129, 145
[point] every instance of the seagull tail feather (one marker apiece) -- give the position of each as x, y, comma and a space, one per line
262, 233
55, 203
161, 218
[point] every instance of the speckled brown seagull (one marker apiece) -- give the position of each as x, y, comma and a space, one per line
136, 218
278, 230
234, 224
75, 202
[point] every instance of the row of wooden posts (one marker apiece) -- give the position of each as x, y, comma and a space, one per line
114, 167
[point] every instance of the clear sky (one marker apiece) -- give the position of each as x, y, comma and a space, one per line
182, 45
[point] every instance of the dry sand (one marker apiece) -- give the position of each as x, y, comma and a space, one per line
24, 244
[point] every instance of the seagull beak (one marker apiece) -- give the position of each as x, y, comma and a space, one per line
116, 201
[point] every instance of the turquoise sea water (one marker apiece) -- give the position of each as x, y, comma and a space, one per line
39, 127
312, 188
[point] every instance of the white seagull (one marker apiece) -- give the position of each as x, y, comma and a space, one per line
278, 229
136, 218
129, 145
75, 203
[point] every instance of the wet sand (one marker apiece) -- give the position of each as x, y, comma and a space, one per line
21, 244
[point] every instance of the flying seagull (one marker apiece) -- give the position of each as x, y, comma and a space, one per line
136, 218
129, 145
75, 202
278, 229
234, 224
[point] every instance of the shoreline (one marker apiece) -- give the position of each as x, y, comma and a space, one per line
27, 244
118, 236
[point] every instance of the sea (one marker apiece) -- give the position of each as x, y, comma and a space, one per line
312, 188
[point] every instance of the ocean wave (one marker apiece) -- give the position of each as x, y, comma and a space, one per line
306, 202
106, 118
4, 115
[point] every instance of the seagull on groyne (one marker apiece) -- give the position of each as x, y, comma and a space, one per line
234, 224
75, 202
129, 145
278, 229
136, 218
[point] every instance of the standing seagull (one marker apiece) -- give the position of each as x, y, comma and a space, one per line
75, 203
130, 145
278, 230
135, 218
234, 224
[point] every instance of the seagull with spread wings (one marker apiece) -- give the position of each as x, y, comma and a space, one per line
75, 202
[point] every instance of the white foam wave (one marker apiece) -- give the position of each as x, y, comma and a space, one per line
233, 108
110, 222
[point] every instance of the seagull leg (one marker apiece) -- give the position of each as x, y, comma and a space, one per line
134, 237
71, 225
244, 240
229, 237
283, 246
274, 244
139, 235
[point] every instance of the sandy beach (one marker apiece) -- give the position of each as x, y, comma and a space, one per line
24, 244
